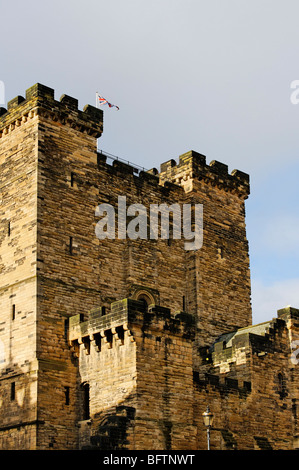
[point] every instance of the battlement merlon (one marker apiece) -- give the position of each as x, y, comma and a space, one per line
288, 312
129, 313
290, 316
192, 165
40, 101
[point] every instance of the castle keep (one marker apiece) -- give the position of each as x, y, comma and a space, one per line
123, 343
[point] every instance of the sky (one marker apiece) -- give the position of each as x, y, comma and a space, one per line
212, 76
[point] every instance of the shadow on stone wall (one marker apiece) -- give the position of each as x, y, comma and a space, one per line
111, 433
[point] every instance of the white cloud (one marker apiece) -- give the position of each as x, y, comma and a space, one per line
267, 299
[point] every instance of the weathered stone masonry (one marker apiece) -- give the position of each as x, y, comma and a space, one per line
135, 357
97, 347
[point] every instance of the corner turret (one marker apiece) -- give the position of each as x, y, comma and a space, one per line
192, 166
40, 101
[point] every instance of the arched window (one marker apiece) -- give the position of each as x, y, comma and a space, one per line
145, 295
145, 299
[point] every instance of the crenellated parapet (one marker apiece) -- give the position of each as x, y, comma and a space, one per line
222, 384
126, 317
127, 171
101, 330
234, 351
173, 176
139, 357
39, 101
193, 166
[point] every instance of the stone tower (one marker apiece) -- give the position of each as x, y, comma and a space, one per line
44, 215
58, 278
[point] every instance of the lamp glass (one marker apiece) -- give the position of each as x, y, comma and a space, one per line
208, 418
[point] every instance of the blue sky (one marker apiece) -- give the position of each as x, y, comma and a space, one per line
208, 75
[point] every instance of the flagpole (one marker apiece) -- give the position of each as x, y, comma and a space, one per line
97, 98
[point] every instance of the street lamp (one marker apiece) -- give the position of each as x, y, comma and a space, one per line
208, 421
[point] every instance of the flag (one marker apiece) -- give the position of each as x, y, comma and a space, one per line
102, 101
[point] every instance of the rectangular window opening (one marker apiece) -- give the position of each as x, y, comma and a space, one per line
13, 312
86, 412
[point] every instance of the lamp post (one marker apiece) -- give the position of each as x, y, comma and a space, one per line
208, 421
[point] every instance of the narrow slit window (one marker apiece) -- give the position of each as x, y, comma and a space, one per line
184, 303
12, 391
66, 328
13, 312
72, 179
220, 252
8, 229
71, 246
67, 395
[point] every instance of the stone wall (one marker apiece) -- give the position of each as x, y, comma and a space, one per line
137, 360
18, 245
250, 384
